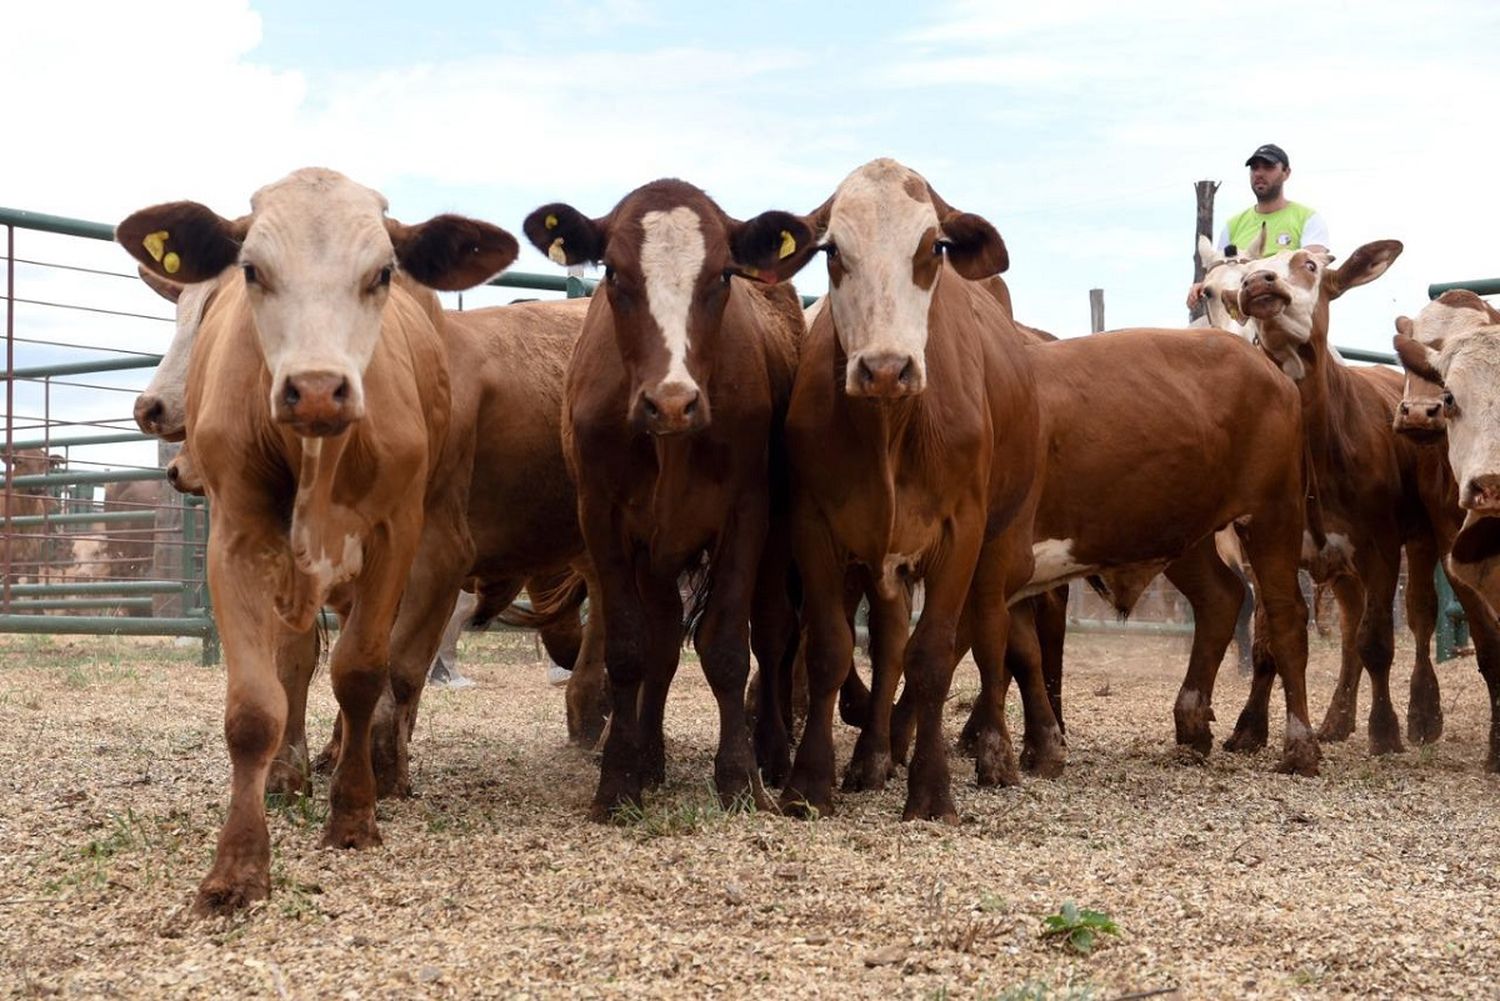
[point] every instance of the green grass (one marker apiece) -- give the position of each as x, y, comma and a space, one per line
695, 811
1078, 928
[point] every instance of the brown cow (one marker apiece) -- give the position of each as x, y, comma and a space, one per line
29, 550
675, 395
1374, 488
930, 439
503, 462
317, 406
1424, 408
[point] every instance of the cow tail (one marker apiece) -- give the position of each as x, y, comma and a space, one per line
552, 601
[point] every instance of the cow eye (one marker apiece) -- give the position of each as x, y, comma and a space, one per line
251, 277
1310, 266
1448, 401
728, 274
832, 250
385, 276
940, 246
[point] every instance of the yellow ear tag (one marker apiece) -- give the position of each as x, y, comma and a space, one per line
750, 272
556, 252
550, 222
788, 246
171, 263
156, 243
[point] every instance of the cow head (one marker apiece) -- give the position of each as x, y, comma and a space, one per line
161, 409
317, 254
1466, 367
1222, 277
1425, 406
1288, 295
670, 255
886, 234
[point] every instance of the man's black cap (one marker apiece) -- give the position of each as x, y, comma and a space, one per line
1271, 153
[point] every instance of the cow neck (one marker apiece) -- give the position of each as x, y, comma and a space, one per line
1327, 392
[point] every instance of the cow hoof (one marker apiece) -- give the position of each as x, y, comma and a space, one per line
221, 896
358, 832
868, 772
1337, 727
586, 731
1300, 757
775, 764
1385, 736
1249, 734
1424, 727
1045, 763
969, 738
925, 804
995, 761
285, 780
854, 707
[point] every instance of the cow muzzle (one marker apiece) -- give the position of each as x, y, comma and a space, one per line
884, 375
1481, 494
183, 475
1421, 419
317, 404
1262, 296
671, 408
156, 418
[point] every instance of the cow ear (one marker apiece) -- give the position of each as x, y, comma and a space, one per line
1365, 265
1404, 325
773, 246
182, 241
1257, 248
566, 235
451, 252
167, 290
1208, 254
974, 247
1417, 358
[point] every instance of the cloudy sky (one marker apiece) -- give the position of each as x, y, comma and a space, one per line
1078, 127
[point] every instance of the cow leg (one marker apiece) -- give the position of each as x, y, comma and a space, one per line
854, 697
774, 639
663, 606
1424, 707
1253, 725
1379, 567
1051, 613
588, 688
929, 667
830, 650
1274, 547
1216, 594
296, 660
1485, 630
871, 764
1338, 721
254, 717
1042, 752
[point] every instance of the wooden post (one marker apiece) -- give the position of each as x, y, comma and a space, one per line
1205, 227
1096, 310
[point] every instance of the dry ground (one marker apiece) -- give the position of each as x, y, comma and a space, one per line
1226, 880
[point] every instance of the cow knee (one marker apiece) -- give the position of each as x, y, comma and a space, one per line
358, 688
251, 732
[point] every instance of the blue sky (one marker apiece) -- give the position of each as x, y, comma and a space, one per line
1078, 128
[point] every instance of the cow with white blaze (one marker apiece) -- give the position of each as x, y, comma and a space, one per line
317, 404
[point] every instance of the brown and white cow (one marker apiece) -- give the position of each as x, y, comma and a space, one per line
675, 396
317, 405
502, 464
1424, 407
930, 439
1377, 490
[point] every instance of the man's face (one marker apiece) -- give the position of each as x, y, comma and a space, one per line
1266, 179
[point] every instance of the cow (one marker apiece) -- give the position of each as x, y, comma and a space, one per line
29, 551
1463, 367
931, 438
503, 464
674, 399
1377, 490
1423, 413
317, 405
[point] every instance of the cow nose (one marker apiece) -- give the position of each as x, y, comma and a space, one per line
1482, 493
149, 411
1432, 409
888, 374
673, 408
316, 403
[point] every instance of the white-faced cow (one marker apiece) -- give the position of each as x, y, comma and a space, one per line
317, 405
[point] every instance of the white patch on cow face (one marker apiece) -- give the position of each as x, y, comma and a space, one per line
1221, 289
168, 385
1470, 366
877, 226
672, 255
317, 243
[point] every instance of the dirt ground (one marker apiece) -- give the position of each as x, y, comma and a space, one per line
1225, 880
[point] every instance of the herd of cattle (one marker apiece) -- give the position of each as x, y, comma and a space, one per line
703, 458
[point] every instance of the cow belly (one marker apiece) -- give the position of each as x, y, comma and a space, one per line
1054, 563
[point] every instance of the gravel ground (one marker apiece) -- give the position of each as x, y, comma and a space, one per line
1225, 880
